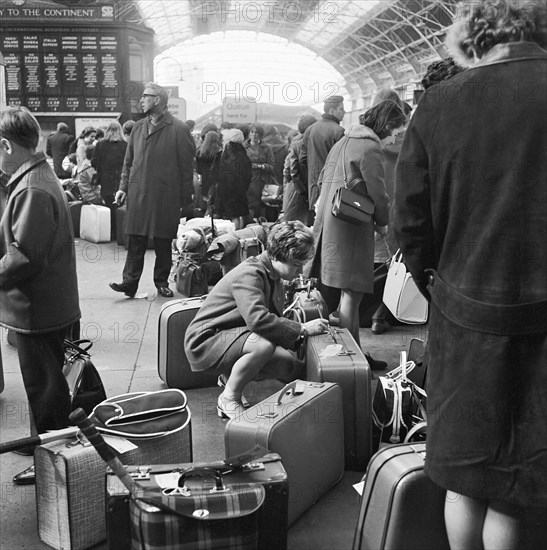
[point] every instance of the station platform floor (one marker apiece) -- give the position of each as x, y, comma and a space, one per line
124, 334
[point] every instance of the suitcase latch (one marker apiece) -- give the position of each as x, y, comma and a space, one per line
253, 467
267, 415
143, 472
346, 352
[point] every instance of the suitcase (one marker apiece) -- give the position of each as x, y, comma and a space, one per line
303, 423
351, 371
70, 493
121, 235
173, 366
95, 223
269, 471
401, 508
75, 209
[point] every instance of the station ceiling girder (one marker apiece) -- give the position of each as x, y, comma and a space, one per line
371, 43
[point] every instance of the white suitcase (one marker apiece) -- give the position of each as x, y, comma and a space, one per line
95, 223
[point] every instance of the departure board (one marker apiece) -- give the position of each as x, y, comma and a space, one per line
62, 69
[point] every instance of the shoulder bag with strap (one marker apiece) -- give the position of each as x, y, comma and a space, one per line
348, 205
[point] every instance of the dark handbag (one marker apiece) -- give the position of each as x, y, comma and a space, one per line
397, 406
348, 205
84, 383
191, 279
201, 515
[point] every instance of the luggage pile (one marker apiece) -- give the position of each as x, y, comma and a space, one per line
205, 250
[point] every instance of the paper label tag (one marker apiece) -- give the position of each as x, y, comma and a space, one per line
119, 443
167, 481
332, 350
359, 487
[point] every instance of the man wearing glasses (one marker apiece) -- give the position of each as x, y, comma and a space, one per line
157, 182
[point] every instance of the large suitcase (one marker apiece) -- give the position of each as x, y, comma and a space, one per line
173, 366
70, 492
95, 223
268, 471
401, 508
304, 424
351, 371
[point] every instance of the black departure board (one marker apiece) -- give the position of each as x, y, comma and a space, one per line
62, 69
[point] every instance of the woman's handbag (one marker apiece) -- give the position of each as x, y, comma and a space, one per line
84, 383
401, 295
348, 205
143, 415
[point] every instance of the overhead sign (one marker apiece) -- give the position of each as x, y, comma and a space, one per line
239, 110
96, 122
177, 107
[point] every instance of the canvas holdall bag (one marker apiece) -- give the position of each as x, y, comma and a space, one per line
143, 415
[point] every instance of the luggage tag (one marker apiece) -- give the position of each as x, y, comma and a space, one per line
332, 350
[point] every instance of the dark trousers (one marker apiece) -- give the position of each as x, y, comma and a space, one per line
134, 263
41, 358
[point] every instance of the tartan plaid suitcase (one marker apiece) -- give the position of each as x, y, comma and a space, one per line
70, 493
267, 471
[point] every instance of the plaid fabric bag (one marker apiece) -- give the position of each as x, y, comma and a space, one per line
197, 517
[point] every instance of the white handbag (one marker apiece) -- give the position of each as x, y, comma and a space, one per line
401, 295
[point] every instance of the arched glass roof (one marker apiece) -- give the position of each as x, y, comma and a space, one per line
266, 67
371, 43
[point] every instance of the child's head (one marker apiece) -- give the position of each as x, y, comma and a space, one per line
89, 150
289, 241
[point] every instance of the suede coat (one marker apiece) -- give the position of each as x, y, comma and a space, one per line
471, 203
41, 296
344, 256
158, 176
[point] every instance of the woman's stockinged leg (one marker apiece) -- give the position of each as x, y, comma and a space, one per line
501, 527
257, 352
464, 518
479, 525
349, 312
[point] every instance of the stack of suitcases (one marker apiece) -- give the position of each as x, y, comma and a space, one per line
305, 436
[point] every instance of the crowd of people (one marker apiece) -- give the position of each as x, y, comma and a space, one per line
458, 185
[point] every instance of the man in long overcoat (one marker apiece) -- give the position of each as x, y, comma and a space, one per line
317, 142
156, 182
